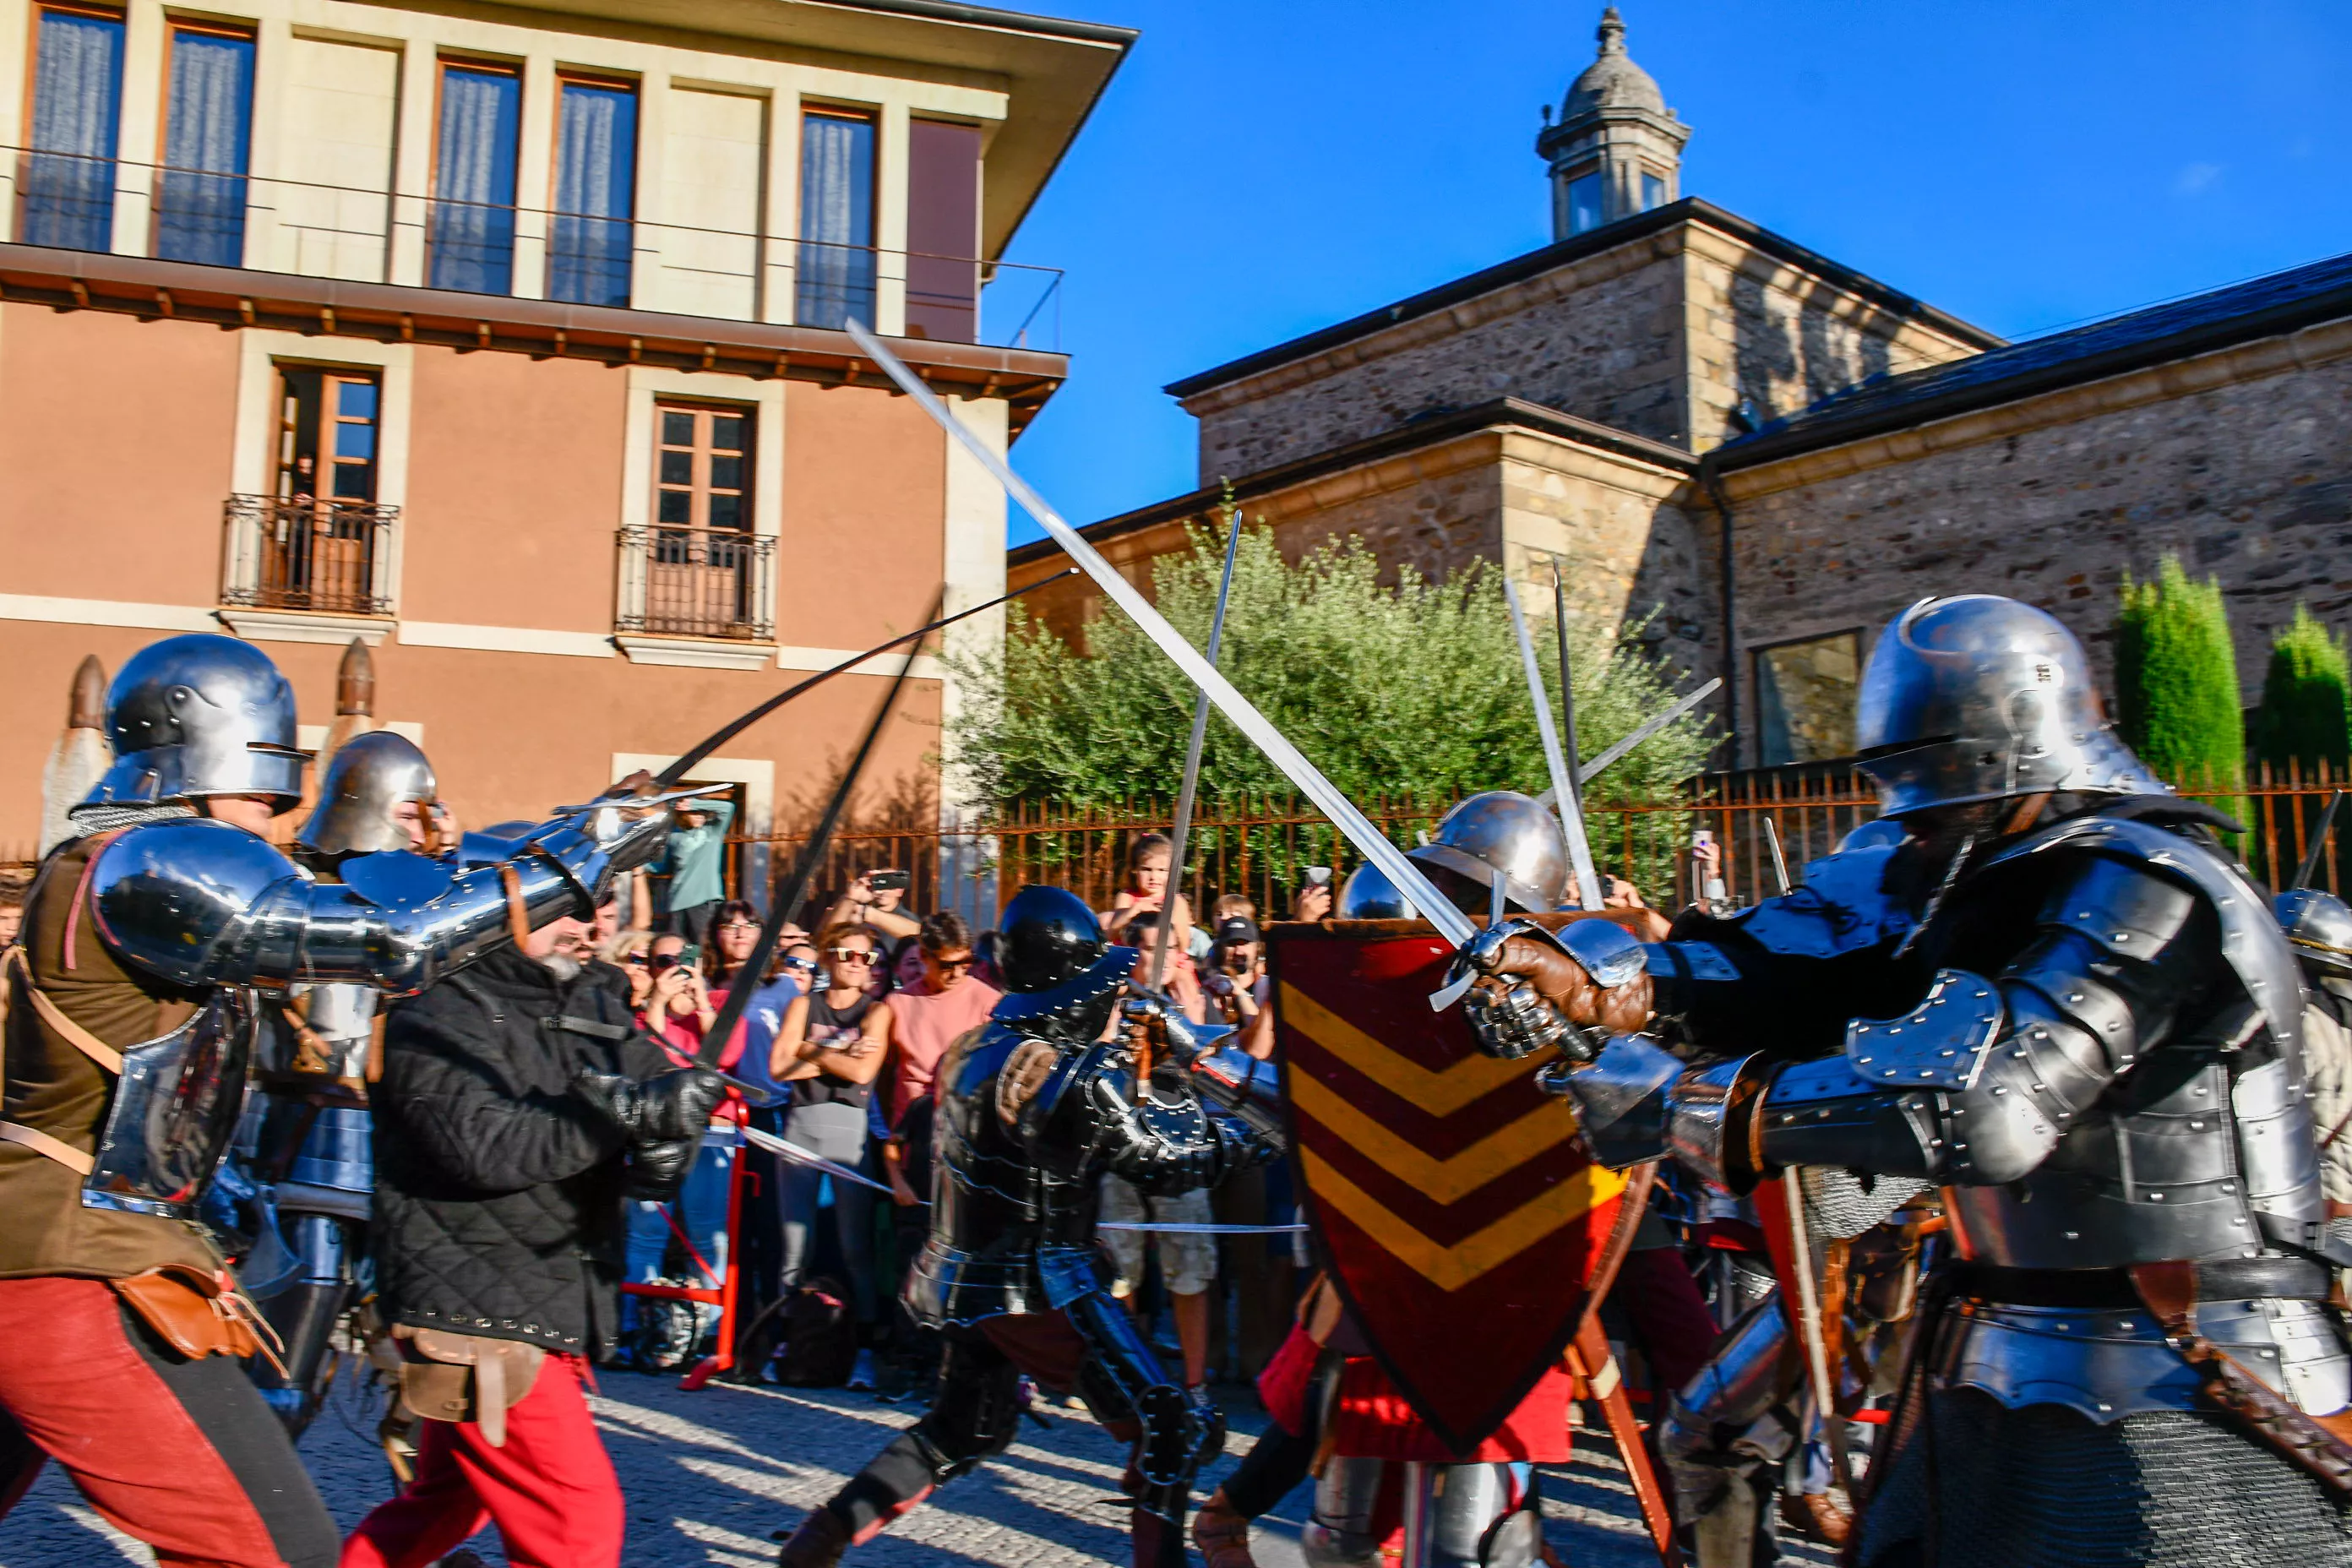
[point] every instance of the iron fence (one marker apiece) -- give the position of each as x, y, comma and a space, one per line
307, 555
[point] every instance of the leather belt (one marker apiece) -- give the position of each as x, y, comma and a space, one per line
2104, 1289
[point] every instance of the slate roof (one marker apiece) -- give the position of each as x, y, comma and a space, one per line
2261, 308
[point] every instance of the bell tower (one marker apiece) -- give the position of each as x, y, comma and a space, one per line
1616, 149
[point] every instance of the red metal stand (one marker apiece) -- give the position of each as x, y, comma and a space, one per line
722, 1296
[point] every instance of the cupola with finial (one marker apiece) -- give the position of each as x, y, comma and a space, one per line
1616, 149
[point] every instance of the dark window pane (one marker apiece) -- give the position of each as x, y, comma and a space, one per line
1584, 203
356, 400
678, 429
676, 506
473, 180
678, 468
355, 441
1805, 699
69, 194
727, 434
200, 200
725, 511
726, 472
353, 481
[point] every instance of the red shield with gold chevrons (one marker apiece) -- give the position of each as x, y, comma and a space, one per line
1453, 1200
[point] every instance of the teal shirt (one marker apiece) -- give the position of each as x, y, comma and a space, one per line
696, 858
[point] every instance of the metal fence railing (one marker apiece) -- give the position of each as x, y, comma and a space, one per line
307, 555
698, 582
377, 235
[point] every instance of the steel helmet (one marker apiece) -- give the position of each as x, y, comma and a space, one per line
366, 778
2319, 926
200, 715
1981, 698
1055, 958
1502, 833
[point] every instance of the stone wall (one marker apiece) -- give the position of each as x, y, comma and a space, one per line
1597, 338
2240, 461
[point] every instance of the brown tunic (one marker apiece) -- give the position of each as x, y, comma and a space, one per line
52, 1087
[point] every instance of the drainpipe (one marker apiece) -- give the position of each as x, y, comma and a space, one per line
1710, 480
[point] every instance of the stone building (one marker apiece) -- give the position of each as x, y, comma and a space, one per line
1759, 455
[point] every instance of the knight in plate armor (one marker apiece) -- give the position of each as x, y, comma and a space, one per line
1033, 1107
153, 940
308, 1174
2060, 1002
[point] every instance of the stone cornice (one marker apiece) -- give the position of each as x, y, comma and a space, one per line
2323, 343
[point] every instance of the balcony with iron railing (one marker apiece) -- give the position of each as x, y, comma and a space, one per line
375, 235
682, 581
307, 555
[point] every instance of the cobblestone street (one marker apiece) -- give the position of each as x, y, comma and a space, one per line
710, 1475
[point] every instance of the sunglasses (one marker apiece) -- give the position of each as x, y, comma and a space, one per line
953, 962
851, 955
635, 960
662, 960
804, 965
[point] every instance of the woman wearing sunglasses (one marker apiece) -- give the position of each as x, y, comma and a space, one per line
830, 1049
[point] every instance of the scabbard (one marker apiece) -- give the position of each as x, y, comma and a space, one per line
1590, 1359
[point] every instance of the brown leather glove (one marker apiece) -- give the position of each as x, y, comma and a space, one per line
1562, 982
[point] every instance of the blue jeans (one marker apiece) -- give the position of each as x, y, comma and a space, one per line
700, 1212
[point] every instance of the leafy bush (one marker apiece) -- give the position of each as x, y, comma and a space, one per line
1413, 689
2176, 698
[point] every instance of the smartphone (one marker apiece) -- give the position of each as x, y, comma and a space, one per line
883, 881
1703, 839
1319, 876
690, 954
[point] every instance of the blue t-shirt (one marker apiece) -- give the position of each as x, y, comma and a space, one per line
763, 1020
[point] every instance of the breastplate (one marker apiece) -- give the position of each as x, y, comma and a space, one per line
1008, 1234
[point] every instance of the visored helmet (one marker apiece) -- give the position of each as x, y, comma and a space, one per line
1056, 962
1505, 834
364, 781
2319, 925
1981, 698
201, 715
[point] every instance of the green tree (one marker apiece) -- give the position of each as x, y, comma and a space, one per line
2176, 698
2306, 710
1411, 690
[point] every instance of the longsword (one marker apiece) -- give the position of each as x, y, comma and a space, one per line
1563, 783
1192, 767
2310, 866
1593, 769
1368, 840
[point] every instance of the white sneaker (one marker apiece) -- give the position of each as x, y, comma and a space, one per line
861, 1375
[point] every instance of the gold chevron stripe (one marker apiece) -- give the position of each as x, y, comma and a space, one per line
1451, 1268
1439, 1093
1447, 1180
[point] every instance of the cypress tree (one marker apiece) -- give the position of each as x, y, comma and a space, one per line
2306, 711
2176, 698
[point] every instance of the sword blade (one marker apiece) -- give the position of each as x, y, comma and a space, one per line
784, 1148
1592, 770
1192, 767
1563, 786
2310, 866
1190, 1228
1779, 861
1368, 840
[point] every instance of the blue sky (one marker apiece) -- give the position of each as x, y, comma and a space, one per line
1260, 169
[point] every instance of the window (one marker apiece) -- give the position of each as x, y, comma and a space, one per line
474, 179
326, 435
1585, 195
596, 183
68, 190
702, 467
942, 231
1653, 191
1804, 698
207, 138
836, 256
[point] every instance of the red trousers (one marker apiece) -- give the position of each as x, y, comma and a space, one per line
551, 1489
181, 1453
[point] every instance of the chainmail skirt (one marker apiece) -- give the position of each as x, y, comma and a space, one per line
2045, 1487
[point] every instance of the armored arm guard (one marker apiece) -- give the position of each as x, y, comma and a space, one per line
197, 902
1084, 1118
1974, 1086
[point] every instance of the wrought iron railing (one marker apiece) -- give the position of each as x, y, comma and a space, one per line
308, 555
698, 582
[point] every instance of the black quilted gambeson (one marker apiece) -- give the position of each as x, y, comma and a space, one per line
499, 1200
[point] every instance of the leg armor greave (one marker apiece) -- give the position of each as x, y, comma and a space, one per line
1719, 1430
1470, 1516
1181, 1432
1342, 1531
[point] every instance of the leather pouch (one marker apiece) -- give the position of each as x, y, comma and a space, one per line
190, 1310
466, 1377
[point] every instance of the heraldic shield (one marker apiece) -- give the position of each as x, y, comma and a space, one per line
1453, 1200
